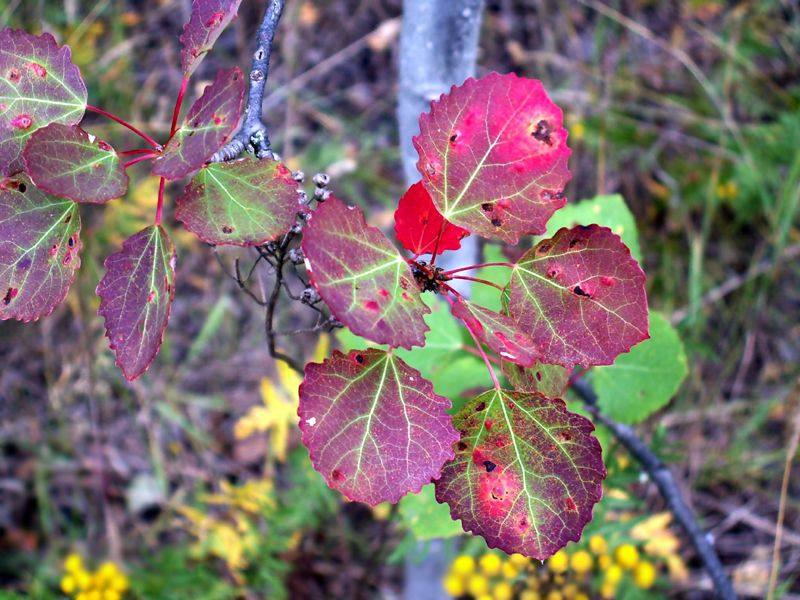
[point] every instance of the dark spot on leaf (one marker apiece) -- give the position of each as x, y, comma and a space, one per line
543, 249
359, 359
10, 295
577, 243
538, 375
523, 523
24, 263
68, 218
104, 146
67, 258
53, 250
461, 446
453, 138
487, 206
227, 229
570, 504
371, 305
553, 272
404, 283
490, 466
480, 407
497, 222
578, 291
542, 132
22, 188
13, 75
337, 475
564, 436
71, 241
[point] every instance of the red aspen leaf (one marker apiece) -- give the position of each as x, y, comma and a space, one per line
39, 85
493, 155
212, 119
526, 474
362, 277
580, 296
374, 427
499, 332
245, 202
67, 161
209, 18
136, 297
418, 224
39, 249
549, 380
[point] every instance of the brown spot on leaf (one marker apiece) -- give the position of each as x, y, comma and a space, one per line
337, 475
11, 293
542, 132
53, 250
13, 75
461, 446
487, 206
490, 466
227, 229
480, 407
497, 222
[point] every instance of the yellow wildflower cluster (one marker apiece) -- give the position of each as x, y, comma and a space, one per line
108, 582
595, 568
491, 577
232, 533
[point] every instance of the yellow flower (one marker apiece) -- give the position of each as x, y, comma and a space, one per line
490, 564
82, 596
570, 591
581, 596
613, 575
598, 544
73, 563
581, 562
559, 562
112, 595
607, 590
644, 575
83, 579
555, 595
604, 562
381, 511
477, 585
519, 561
533, 582
530, 595
463, 565
453, 585
119, 583
94, 595
627, 556
503, 591
68, 584
509, 571
484, 597
106, 571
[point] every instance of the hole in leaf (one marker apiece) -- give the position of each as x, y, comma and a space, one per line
487, 206
538, 375
359, 359
453, 138
461, 446
578, 291
22, 188
490, 466
497, 222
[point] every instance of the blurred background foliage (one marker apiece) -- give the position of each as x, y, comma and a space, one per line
191, 483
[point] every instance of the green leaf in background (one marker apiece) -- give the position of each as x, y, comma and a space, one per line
645, 379
442, 360
485, 295
426, 518
609, 211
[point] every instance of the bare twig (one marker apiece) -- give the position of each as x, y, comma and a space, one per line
662, 477
252, 135
280, 255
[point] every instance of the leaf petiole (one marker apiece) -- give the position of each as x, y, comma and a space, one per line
124, 123
178, 103
160, 208
476, 280
480, 266
139, 159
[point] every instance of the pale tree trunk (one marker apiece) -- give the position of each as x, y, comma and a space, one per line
438, 49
